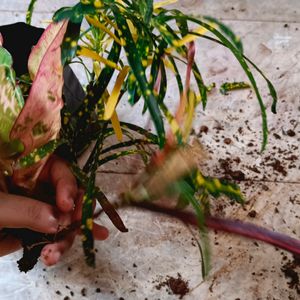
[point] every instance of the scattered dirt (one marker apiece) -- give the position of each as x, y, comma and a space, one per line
277, 166
229, 173
227, 141
291, 132
204, 129
277, 136
290, 272
175, 286
252, 214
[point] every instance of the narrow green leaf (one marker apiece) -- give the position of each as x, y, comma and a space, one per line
74, 14
134, 142
30, 11
187, 192
150, 136
145, 9
177, 75
228, 32
70, 42
87, 224
240, 58
132, 89
120, 154
138, 71
108, 208
271, 87
95, 92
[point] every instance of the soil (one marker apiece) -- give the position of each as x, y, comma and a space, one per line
252, 214
290, 272
204, 129
291, 132
277, 166
229, 173
175, 286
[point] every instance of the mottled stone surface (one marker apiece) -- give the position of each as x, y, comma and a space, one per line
131, 265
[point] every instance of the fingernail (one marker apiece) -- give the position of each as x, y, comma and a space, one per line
56, 256
70, 203
53, 222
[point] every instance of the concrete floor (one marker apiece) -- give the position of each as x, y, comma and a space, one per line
131, 265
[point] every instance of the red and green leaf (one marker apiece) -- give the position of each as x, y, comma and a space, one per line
39, 121
11, 102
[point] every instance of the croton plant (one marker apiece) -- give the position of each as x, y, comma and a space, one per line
136, 47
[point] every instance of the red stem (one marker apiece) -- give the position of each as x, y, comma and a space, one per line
237, 227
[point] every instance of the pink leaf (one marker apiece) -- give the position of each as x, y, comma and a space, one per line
39, 121
38, 52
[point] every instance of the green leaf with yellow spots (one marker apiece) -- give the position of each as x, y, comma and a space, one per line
149, 135
145, 9
216, 187
175, 15
107, 207
155, 41
120, 154
232, 86
95, 92
87, 223
74, 14
38, 154
139, 73
70, 42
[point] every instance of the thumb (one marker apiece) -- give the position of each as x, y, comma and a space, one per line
22, 212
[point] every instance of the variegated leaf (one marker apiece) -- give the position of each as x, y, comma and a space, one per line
11, 102
39, 121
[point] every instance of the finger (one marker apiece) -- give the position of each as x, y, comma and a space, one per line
100, 232
22, 212
52, 253
8, 244
64, 183
77, 213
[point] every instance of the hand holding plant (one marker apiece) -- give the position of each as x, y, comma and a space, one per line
156, 42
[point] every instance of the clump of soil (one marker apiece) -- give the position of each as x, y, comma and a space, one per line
277, 166
176, 286
291, 132
229, 173
290, 272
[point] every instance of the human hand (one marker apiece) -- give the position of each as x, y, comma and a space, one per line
23, 212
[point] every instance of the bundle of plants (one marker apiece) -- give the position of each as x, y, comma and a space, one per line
136, 48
